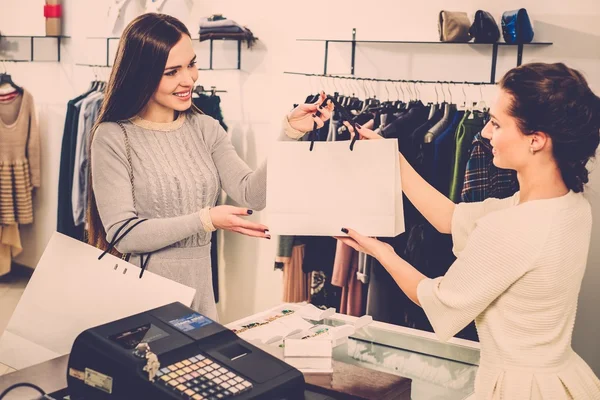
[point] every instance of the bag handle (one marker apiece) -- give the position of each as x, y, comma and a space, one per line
128, 154
118, 237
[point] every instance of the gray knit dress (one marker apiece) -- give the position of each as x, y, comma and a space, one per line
179, 168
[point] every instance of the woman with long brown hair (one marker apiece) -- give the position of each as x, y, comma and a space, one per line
158, 164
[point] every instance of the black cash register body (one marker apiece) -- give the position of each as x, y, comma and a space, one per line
199, 359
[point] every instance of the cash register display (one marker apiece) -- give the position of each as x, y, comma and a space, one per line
131, 338
190, 322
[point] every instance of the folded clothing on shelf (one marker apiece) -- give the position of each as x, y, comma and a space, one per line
219, 27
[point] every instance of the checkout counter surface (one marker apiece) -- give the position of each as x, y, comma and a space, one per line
437, 370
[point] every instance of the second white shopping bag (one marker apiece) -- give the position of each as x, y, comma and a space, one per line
71, 291
317, 192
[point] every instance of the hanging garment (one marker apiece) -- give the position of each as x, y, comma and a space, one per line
19, 159
65, 222
443, 155
472, 123
296, 282
421, 245
210, 105
365, 263
90, 109
483, 179
344, 272
10, 246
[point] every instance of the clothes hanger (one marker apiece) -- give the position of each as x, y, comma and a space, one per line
481, 106
5, 78
346, 116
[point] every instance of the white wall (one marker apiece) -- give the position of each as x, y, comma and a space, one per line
260, 94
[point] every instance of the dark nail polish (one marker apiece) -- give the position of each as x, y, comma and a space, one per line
314, 115
250, 212
344, 230
360, 126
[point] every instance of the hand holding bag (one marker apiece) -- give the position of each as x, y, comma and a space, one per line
484, 28
516, 27
454, 26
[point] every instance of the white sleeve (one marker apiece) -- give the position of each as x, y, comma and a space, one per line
491, 261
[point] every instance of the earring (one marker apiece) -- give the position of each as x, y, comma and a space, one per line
531, 150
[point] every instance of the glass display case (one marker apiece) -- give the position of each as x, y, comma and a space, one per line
438, 370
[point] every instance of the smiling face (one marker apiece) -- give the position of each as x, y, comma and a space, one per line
174, 92
511, 147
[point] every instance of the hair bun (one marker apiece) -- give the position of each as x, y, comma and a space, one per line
575, 174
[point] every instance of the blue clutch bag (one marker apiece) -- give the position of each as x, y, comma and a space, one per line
516, 27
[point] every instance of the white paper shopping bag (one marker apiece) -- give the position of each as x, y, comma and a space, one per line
71, 291
316, 193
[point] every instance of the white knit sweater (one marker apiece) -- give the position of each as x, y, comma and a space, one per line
518, 273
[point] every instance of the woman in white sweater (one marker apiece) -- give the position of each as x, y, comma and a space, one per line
520, 261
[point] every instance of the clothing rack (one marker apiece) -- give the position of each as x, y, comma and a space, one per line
94, 65
389, 80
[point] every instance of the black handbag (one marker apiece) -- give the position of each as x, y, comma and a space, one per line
516, 27
484, 28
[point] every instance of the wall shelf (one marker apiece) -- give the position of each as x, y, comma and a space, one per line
239, 55
32, 40
353, 42
210, 68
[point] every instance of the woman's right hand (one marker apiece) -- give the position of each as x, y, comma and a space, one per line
229, 218
363, 131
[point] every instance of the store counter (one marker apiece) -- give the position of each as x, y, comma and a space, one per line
437, 370
407, 363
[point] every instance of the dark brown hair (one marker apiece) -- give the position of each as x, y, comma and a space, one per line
139, 66
556, 100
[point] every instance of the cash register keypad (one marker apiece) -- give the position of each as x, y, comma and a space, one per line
200, 378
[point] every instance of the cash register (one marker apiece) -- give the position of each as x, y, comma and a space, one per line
173, 352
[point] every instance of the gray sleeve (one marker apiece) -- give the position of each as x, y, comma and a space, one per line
248, 188
112, 190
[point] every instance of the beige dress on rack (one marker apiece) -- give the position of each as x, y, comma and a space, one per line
19, 159
518, 273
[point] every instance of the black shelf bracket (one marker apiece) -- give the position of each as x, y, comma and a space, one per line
210, 59
32, 40
108, 40
353, 42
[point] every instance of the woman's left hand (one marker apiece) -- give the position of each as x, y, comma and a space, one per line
364, 244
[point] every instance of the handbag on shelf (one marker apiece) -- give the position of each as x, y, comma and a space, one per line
517, 27
484, 28
453, 26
